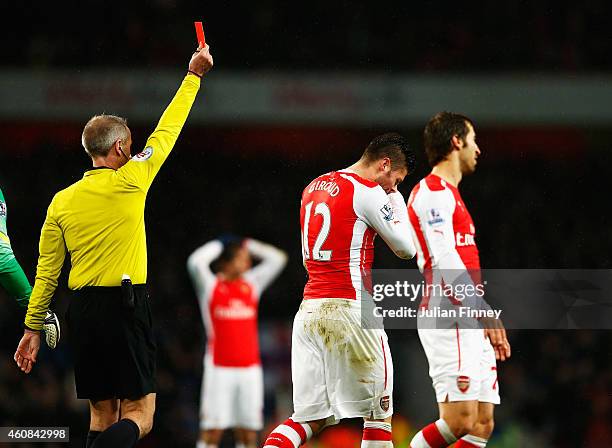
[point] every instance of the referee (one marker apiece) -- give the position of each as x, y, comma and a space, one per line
99, 221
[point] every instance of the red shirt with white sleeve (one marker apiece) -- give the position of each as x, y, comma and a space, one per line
340, 215
444, 232
229, 307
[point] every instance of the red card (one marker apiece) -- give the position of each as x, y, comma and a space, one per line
200, 34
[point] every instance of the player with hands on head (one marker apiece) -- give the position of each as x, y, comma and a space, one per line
462, 357
232, 385
99, 222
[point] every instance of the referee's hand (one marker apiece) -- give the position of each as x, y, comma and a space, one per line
25, 356
201, 61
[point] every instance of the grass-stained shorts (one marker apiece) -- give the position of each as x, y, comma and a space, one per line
339, 369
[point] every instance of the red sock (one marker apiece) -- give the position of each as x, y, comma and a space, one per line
434, 435
288, 435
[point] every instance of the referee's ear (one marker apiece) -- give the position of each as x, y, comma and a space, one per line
121, 152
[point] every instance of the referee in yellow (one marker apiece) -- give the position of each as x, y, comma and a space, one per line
99, 221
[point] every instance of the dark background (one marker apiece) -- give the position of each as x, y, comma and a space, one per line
428, 36
539, 198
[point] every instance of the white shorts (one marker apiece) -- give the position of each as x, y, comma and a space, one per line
462, 364
232, 397
339, 369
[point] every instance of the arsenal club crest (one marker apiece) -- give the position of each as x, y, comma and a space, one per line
384, 403
463, 383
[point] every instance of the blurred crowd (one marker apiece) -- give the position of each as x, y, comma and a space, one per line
515, 35
531, 211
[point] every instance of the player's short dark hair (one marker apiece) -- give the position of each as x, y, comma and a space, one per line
438, 134
395, 147
101, 132
228, 254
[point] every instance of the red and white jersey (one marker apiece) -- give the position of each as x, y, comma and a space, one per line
229, 307
340, 215
444, 232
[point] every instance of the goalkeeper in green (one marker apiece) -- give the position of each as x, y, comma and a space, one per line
15, 282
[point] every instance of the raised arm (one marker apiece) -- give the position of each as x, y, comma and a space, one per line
273, 261
198, 266
143, 167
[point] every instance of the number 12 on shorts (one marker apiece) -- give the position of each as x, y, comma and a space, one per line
317, 254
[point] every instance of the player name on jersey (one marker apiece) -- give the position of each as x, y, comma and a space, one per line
340, 215
320, 185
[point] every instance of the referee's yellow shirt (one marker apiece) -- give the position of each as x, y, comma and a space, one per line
99, 220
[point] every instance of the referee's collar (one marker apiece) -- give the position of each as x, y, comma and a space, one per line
96, 170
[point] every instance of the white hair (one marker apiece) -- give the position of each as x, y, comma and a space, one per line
101, 132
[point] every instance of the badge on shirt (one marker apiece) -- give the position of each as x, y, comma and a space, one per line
2, 209
434, 217
385, 402
144, 155
463, 383
387, 212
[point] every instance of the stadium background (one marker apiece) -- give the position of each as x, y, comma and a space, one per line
538, 198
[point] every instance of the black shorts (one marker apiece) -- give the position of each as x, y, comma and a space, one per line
112, 344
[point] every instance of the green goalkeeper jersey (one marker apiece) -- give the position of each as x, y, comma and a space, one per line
5, 243
12, 277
